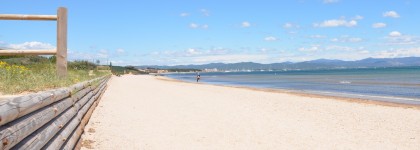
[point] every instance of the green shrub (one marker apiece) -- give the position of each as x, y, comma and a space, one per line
33, 77
81, 65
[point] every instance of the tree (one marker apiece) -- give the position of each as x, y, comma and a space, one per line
110, 66
53, 59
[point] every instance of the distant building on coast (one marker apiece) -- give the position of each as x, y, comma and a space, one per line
211, 70
154, 70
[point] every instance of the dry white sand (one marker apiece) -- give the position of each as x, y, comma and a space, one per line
143, 112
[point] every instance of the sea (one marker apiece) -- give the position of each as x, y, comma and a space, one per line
398, 85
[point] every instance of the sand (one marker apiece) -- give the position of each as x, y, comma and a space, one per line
145, 112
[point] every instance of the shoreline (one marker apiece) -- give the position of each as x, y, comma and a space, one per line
147, 112
304, 94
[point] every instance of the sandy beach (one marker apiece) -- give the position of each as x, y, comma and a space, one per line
147, 112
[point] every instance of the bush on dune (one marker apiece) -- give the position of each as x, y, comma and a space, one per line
32, 74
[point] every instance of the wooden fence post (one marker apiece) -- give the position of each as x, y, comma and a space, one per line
61, 42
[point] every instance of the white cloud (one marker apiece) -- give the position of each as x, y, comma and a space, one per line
30, 45
313, 48
358, 17
264, 50
197, 26
395, 34
265, 55
201, 56
293, 32
246, 24
399, 39
105, 56
205, 12
339, 48
318, 36
347, 39
184, 14
270, 38
391, 14
194, 25
231, 58
120, 51
379, 25
337, 23
407, 52
355, 39
364, 52
191, 52
329, 49
289, 25
217, 51
330, 1
103, 53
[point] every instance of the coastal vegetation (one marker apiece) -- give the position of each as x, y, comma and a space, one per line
23, 74
119, 70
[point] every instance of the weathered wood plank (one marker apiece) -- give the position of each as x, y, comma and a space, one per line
77, 87
71, 143
39, 138
79, 104
57, 141
84, 122
78, 145
61, 42
17, 130
7, 52
13, 108
79, 95
27, 17
75, 137
103, 83
45, 119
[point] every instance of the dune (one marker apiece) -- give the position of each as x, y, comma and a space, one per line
147, 112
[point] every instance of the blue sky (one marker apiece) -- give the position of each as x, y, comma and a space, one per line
163, 32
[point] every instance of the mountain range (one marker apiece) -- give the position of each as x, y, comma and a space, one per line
314, 64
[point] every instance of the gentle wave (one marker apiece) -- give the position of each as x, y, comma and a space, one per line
345, 82
397, 85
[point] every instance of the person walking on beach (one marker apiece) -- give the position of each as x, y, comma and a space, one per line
198, 76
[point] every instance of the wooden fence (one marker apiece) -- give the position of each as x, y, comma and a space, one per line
60, 52
52, 119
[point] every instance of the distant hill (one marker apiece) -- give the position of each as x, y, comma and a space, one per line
314, 64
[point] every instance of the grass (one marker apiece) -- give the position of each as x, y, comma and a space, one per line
16, 78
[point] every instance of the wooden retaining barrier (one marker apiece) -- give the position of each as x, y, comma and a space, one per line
52, 119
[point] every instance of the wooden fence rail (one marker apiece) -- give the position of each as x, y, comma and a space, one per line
60, 52
52, 119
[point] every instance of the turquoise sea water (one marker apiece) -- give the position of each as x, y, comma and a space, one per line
401, 85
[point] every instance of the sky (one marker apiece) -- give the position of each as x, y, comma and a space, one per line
180, 32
